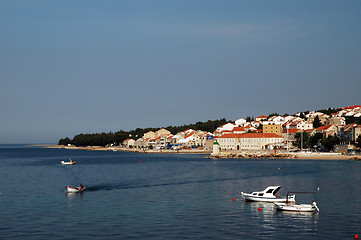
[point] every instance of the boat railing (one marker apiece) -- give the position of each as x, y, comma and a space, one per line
288, 193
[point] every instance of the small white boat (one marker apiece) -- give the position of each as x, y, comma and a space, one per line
297, 207
70, 162
287, 206
70, 189
270, 194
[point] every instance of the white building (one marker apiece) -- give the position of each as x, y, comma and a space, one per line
249, 141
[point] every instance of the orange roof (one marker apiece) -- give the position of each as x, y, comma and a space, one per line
323, 128
226, 131
261, 135
231, 135
189, 135
293, 130
262, 116
251, 135
239, 129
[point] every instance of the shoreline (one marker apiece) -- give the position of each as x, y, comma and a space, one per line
224, 155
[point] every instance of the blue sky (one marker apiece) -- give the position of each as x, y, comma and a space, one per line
85, 66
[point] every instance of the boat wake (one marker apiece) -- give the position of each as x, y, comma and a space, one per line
143, 185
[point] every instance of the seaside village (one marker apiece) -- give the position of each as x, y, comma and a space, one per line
264, 133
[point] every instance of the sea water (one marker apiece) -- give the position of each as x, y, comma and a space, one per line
170, 196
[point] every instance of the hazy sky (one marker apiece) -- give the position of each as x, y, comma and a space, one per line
86, 66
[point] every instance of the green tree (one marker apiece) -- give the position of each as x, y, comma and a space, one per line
316, 122
305, 139
64, 141
313, 140
330, 142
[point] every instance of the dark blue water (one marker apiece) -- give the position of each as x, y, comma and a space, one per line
165, 196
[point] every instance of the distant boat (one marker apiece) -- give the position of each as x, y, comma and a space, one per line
270, 194
70, 162
70, 189
288, 206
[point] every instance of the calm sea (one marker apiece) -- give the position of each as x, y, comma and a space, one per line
165, 196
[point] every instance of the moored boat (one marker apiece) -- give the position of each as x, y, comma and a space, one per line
270, 194
297, 207
70, 162
289, 206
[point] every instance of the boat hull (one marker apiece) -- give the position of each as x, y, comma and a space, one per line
295, 207
253, 198
74, 189
67, 163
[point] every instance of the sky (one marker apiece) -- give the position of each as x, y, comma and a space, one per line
89, 66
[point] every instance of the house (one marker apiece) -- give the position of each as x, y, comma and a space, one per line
329, 130
349, 133
249, 141
260, 141
128, 143
337, 121
230, 141
239, 130
310, 131
162, 132
271, 127
140, 143
261, 118
150, 134
277, 120
240, 122
303, 125
226, 127
321, 116
290, 134
152, 143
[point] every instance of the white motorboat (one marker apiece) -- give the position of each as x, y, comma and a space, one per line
270, 194
70, 162
287, 206
70, 189
297, 207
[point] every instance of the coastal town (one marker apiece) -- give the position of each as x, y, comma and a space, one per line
338, 132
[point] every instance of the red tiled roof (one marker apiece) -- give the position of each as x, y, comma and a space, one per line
231, 135
189, 135
323, 128
262, 116
261, 135
251, 135
294, 130
239, 129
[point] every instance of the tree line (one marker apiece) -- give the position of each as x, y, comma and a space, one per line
105, 139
